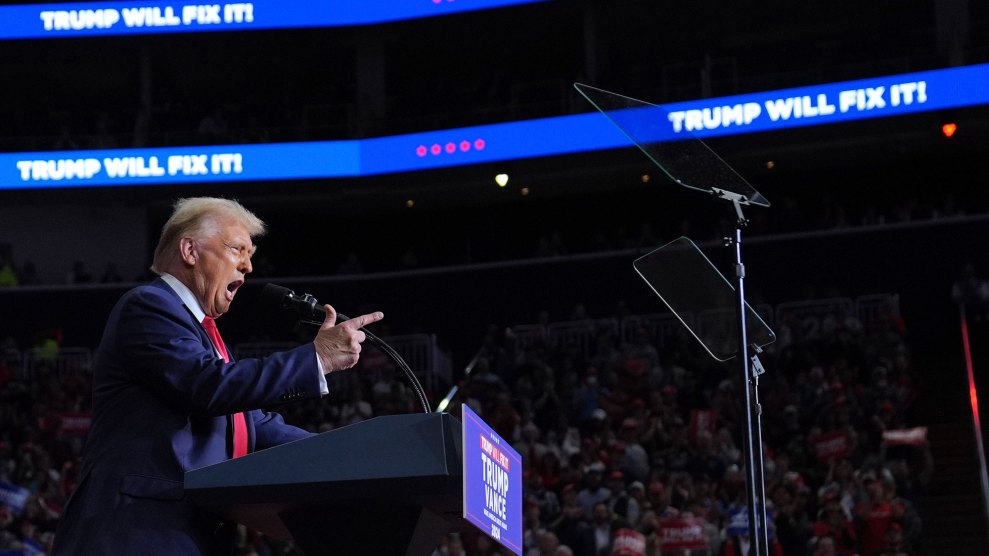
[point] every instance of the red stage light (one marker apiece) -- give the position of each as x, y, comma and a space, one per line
949, 129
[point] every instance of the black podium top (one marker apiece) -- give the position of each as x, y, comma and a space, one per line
412, 460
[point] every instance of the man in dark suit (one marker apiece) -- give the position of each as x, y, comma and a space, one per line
166, 398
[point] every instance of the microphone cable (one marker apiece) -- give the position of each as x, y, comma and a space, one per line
395, 357
308, 309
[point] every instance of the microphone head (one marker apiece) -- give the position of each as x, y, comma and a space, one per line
280, 297
273, 295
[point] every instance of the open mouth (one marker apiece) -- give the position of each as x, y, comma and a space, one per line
232, 288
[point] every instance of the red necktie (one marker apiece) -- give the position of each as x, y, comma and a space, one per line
239, 420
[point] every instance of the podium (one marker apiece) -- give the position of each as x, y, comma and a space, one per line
389, 485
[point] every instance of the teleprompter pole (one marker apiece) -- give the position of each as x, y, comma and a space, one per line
756, 491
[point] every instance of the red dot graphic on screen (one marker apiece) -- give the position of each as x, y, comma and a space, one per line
450, 147
421, 150
435, 149
479, 144
465, 146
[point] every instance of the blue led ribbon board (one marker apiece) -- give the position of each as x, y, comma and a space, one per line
757, 112
86, 19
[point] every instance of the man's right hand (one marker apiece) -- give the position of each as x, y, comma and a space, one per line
338, 346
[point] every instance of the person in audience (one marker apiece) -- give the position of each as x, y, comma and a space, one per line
832, 524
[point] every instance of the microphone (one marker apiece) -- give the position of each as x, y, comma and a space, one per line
308, 309
311, 312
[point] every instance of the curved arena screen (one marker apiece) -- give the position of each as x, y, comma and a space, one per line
82, 19
887, 96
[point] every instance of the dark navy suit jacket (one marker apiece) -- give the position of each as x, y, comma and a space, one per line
161, 397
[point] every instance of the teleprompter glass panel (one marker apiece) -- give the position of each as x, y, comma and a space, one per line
689, 284
684, 158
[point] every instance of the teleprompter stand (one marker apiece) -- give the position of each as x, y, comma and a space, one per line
688, 283
389, 485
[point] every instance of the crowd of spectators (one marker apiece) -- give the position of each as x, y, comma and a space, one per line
631, 441
625, 444
43, 420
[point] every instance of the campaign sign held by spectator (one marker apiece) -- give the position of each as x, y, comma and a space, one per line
628, 542
738, 522
29, 547
492, 483
75, 424
916, 436
13, 496
832, 446
681, 534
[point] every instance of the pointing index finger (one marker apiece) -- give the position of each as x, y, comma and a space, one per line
363, 320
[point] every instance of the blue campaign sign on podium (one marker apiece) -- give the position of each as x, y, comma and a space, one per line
492, 483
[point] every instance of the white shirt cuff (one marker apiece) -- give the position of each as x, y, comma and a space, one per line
323, 388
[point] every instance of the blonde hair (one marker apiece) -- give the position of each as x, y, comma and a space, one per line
200, 217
